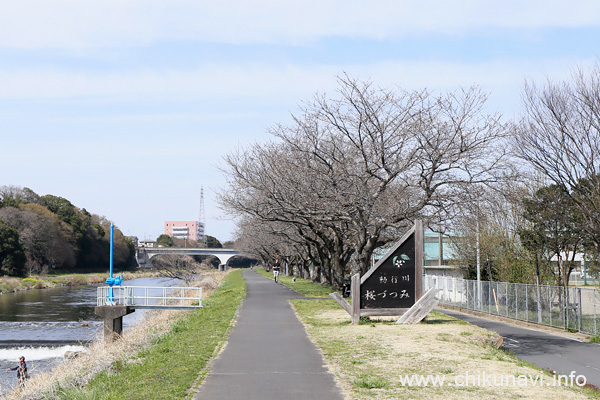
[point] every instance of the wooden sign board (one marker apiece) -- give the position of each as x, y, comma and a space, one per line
391, 284
394, 284
396, 281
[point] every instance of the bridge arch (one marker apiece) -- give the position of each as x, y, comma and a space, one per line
144, 254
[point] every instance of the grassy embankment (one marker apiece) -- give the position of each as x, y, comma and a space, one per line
12, 284
370, 358
169, 364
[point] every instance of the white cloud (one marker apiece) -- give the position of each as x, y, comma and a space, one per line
75, 24
209, 81
269, 82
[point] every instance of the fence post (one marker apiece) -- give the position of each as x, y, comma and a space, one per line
526, 302
445, 287
595, 327
467, 285
538, 296
565, 313
516, 301
550, 302
579, 308
506, 301
454, 290
489, 297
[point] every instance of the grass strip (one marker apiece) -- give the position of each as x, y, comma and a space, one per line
170, 366
375, 359
302, 286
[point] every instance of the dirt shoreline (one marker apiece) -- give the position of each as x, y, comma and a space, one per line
13, 284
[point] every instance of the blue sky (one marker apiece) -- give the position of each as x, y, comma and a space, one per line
126, 107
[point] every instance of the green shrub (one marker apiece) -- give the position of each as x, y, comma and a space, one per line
9, 284
76, 280
29, 282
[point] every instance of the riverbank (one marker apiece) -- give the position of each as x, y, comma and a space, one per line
378, 359
440, 358
162, 361
375, 359
10, 284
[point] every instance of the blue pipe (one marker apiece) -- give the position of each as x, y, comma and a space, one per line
111, 281
112, 230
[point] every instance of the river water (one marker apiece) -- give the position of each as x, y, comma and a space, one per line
43, 324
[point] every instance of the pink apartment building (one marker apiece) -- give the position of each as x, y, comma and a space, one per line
191, 230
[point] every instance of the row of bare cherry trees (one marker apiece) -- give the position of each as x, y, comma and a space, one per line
351, 172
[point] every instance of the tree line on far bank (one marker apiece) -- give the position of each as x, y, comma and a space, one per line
209, 242
38, 233
351, 172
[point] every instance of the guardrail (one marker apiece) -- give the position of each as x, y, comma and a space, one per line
151, 297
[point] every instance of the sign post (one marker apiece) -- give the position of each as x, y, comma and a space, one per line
393, 285
355, 293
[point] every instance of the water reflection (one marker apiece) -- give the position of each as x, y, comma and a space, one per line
49, 305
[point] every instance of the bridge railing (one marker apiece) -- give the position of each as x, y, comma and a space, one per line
187, 298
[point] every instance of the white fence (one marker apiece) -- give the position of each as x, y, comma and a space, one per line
150, 297
573, 308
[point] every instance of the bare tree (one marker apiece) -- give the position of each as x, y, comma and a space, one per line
559, 137
176, 266
350, 171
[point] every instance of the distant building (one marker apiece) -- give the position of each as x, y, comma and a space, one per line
439, 257
134, 240
147, 243
190, 230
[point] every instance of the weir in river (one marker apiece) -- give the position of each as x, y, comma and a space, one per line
43, 324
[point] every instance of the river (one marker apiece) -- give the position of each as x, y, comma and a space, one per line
43, 324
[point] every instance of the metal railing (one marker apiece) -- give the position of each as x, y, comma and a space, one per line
150, 297
580, 281
573, 308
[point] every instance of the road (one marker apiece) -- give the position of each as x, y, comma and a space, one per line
556, 352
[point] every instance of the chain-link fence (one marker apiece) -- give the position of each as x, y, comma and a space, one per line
572, 308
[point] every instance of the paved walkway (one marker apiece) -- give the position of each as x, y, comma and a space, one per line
268, 355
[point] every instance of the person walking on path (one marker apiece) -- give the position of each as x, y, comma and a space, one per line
21, 369
276, 270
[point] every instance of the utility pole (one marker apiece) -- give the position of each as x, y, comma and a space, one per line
478, 269
477, 244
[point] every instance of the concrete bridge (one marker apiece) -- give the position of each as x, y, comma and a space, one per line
144, 254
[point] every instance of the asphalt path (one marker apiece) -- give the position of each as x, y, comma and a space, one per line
555, 352
268, 354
